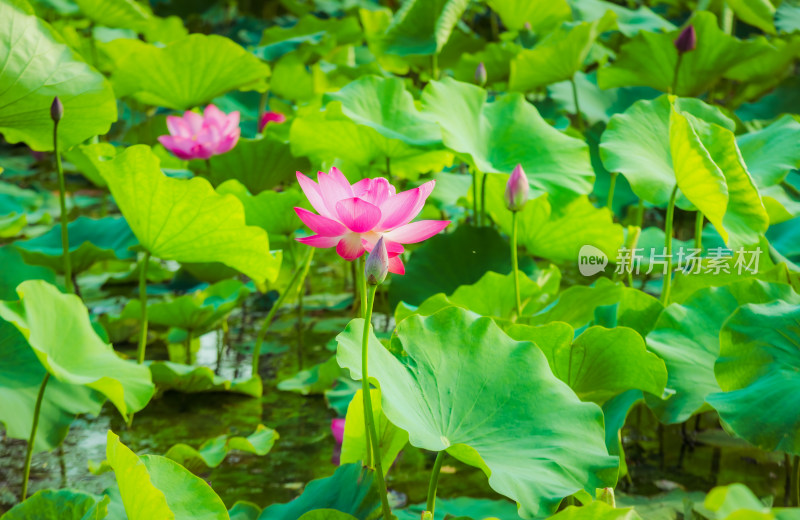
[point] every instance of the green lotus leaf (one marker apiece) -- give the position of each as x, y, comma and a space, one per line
649, 59
785, 237
260, 164
597, 511
558, 56
493, 295
385, 105
197, 379
464, 507
186, 220
156, 487
243, 510
20, 379
770, 153
352, 489
323, 34
38, 67
600, 363
758, 13
199, 311
496, 59
269, 210
390, 438
542, 15
185, 73
615, 412
689, 144
16, 271
58, 329
757, 370
787, 17
314, 380
326, 514
90, 241
736, 501
125, 14
686, 337
763, 72
432, 268
496, 136
629, 21
785, 98
331, 138
86, 156
453, 390
422, 27
64, 504
211, 453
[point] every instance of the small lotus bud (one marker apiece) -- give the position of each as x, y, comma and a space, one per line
427, 515
528, 26
517, 190
480, 74
606, 495
377, 265
687, 41
56, 110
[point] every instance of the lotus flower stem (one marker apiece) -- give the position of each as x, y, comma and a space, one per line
483, 200
797, 481
362, 284
515, 263
434, 483
143, 302
668, 246
369, 419
62, 198
698, 231
611, 187
673, 89
578, 116
640, 213
32, 439
475, 196
299, 274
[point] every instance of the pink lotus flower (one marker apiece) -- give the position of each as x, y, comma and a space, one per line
199, 137
270, 117
337, 429
353, 217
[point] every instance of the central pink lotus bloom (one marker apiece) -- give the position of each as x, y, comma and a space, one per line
353, 217
199, 137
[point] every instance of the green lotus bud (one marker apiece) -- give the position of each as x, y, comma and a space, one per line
427, 515
377, 265
56, 110
517, 190
480, 74
606, 495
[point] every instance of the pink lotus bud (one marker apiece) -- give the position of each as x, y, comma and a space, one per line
528, 26
480, 74
270, 117
687, 41
517, 190
56, 110
377, 265
337, 429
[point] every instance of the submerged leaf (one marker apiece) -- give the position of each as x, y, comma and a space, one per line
211, 453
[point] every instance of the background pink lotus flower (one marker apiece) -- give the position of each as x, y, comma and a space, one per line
337, 429
196, 136
353, 217
270, 117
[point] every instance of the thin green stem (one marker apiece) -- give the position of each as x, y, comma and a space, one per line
299, 275
578, 116
475, 197
668, 246
362, 281
143, 302
32, 439
698, 231
189, 338
369, 418
515, 263
434, 482
674, 88
389, 169
797, 481
62, 198
483, 200
640, 213
612, 185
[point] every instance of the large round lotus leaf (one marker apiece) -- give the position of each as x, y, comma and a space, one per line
186, 220
385, 105
496, 136
63, 504
259, 164
772, 152
194, 379
558, 56
90, 241
324, 34
758, 371
185, 73
422, 27
597, 511
326, 514
21, 375
156, 487
38, 67
15, 271
269, 210
686, 337
331, 138
125, 14
464, 507
464, 386
86, 156
58, 330
211, 453
649, 59
629, 21
542, 15
600, 363
352, 489
666, 142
